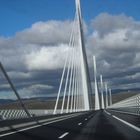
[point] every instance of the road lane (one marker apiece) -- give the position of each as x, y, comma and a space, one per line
103, 126
49, 131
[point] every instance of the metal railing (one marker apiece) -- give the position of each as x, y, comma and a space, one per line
7, 114
130, 105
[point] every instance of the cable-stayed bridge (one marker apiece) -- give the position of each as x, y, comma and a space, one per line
76, 116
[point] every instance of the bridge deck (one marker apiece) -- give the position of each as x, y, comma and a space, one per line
97, 125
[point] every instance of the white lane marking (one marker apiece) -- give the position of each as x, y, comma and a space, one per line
63, 135
36, 126
85, 119
107, 112
127, 123
79, 123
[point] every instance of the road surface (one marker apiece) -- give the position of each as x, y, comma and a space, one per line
95, 125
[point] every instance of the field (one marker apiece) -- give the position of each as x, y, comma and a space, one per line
50, 103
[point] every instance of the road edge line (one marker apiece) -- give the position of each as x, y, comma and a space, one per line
125, 122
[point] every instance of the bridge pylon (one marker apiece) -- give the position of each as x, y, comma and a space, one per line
83, 57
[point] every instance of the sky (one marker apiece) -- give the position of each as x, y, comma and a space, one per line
17, 15
34, 36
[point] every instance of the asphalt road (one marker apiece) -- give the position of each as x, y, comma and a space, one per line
133, 119
95, 125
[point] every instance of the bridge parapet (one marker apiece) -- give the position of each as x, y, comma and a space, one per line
130, 105
7, 114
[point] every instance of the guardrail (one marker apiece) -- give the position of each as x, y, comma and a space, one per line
6, 114
130, 105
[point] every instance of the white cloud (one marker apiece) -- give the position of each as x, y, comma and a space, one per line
40, 86
115, 41
35, 90
46, 33
105, 23
47, 58
43, 46
43, 37
17, 75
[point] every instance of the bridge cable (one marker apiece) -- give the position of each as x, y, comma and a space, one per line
14, 89
63, 73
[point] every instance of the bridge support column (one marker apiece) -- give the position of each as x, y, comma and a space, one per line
84, 66
110, 97
97, 103
106, 90
102, 92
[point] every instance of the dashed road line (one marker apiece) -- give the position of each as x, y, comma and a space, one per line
63, 135
79, 123
107, 112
